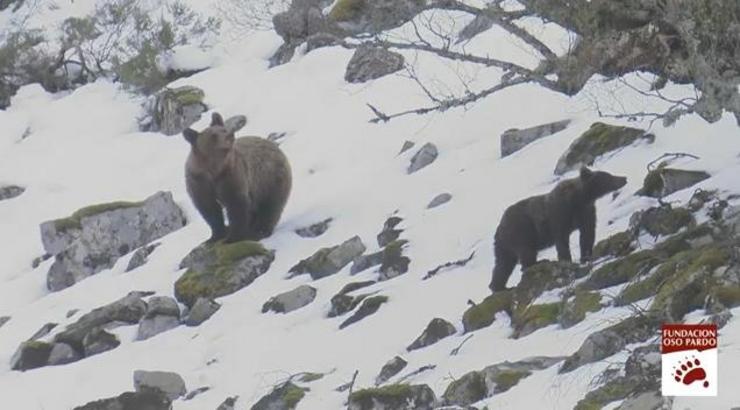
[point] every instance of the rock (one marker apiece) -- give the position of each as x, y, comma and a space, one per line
359, 16
364, 262
544, 276
162, 306
141, 256
291, 300
394, 397
328, 261
484, 313
576, 308
4, 320
390, 369
62, 353
144, 400
394, 263
196, 392
98, 341
661, 220
423, 157
435, 331
492, 380
389, 233
129, 309
370, 63
228, 404
598, 140
43, 331
284, 397
174, 109
93, 238
407, 145
169, 383
342, 303
664, 181
10, 191
618, 245
31, 355
152, 326
527, 319
314, 230
514, 139
221, 269
438, 200
369, 306
608, 341
653, 400
201, 311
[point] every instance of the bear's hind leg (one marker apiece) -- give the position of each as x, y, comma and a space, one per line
504, 265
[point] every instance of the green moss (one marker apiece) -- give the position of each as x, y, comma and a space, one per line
507, 379
292, 394
622, 270
310, 377
612, 391
229, 253
392, 392
619, 244
600, 139
188, 95
74, 221
534, 317
728, 296
575, 311
346, 10
470, 388
652, 185
484, 313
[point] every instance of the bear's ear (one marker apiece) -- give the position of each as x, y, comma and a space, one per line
235, 123
217, 119
586, 173
191, 135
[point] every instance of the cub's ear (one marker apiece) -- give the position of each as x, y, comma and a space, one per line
191, 135
217, 119
235, 123
586, 173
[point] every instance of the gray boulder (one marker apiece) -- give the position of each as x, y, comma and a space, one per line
424, 156
174, 109
283, 397
440, 199
664, 181
62, 353
98, 340
141, 256
364, 262
390, 369
394, 397
661, 220
370, 63
162, 314
314, 230
389, 232
221, 269
598, 140
357, 16
31, 355
435, 331
10, 191
4, 320
514, 139
368, 307
394, 262
93, 238
143, 400
291, 300
328, 261
228, 403
201, 311
169, 383
342, 302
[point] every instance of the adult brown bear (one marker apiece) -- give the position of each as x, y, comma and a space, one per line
249, 176
538, 222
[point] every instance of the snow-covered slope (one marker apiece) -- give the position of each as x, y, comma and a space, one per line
84, 147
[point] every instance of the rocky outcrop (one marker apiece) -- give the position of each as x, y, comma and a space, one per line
173, 109
394, 263
370, 63
93, 238
664, 181
435, 331
291, 300
661, 221
368, 307
169, 383
598, 140
394, 397
314, 230
439, 200
342, 302
283, 397
144, 400
360, 16
514, 139
390, 369
162, 314
424, 156
221, 269
328, 261
10, 191
389, 233
141, 256
201, 311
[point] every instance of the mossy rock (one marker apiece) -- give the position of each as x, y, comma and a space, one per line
394, 396
506, 379
533, 317
468, 389
368, 307
484, 313
394, 263
328, 261
612, 391
664, 181
310, 377
662, 220
31, 355
74, 221
544, 276
221, 269
598, 140
284, 397
188, 95
574, 311
618, 245
347, 10
623, 270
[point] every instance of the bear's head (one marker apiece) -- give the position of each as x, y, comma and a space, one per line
599, 183
214, 143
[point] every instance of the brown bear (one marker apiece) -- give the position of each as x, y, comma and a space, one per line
249, 176
538, 222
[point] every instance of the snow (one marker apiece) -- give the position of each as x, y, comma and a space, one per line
83, 147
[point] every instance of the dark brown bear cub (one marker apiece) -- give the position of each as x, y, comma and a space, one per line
249, 176
538, 222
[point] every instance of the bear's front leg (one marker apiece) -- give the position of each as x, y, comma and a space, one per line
240, 222
587, 233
